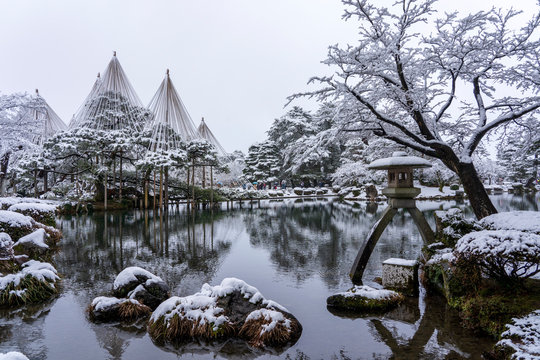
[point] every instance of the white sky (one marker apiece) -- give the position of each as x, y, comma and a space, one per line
233, 62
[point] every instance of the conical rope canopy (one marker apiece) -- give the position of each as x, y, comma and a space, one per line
205, 133
170, 124
48, 121
112, 104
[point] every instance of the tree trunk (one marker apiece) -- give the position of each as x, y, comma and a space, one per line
478, 197
36, 191
204, 177
45, 181
4, 162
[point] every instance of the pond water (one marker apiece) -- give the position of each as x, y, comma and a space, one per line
295, 252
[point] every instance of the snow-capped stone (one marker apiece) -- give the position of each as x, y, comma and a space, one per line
233, 307
141, 285
365, 299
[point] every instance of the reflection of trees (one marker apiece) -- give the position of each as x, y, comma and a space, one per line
95, 248
323, 238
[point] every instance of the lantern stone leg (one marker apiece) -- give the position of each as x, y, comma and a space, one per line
422, 225
364, 254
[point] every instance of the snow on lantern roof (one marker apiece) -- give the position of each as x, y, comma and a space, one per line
399, 159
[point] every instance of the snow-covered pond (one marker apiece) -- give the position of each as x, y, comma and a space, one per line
295, 252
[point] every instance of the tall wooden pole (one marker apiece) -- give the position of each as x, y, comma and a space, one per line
161, 188
193, 182
121, 179
154, 189
166, 188
105, 192
187, 190
211, 188
204, 177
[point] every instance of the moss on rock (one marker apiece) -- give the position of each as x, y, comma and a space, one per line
365, 299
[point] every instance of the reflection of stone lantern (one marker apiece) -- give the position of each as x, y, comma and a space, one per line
401, 194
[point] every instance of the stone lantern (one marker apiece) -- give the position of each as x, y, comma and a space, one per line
401, 194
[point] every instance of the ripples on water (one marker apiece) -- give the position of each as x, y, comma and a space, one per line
295, 252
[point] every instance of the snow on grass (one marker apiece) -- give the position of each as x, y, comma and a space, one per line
35, 282
103, 303
130, 274
523, 336
271, 317
6, 202
13, 355
37, 238
369, 293
513, 220
15, 219
41, 271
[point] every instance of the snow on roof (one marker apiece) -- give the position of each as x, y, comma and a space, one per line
513, 220
397, 160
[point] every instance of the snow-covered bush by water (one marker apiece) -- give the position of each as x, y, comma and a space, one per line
522, 337
514, 220
505, 255
43, 213
35, 282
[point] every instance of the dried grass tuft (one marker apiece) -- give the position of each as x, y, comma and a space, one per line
253, 331
29, 290
132, 311
180, 328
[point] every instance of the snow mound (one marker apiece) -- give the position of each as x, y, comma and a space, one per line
13, 355
35, 282
273, 318
513, 220
103, 303
129, 275
36, 239
523, 337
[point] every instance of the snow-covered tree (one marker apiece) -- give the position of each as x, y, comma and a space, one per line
263, 162
413, 89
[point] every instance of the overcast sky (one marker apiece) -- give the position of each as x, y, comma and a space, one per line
232, 61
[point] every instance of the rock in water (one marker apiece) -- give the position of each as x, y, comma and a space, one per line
365, 299
223, 311
141, 285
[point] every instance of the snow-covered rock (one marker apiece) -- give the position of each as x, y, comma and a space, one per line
365, 299
521, 340
221, 311
33, 244
141, 285
13, 355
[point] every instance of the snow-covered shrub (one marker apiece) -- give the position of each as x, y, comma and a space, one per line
508, 256
454, 225
15, 224
298, 191
521, 340
35, 282
514, 220
43, 213
454, 187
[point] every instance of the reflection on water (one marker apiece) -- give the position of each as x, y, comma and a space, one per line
296, 252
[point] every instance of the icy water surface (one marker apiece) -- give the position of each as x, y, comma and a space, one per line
295, 252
